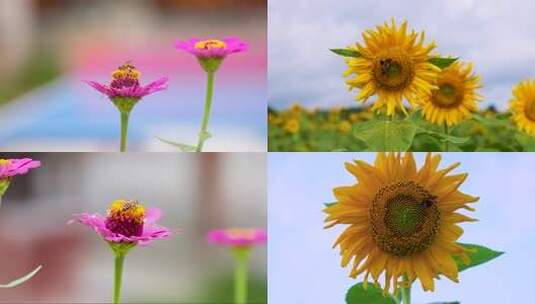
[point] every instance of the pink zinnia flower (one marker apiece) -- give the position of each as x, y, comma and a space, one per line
125, 84
126, 222
125, 91
212, 48
12, 167
237, 237
211, 52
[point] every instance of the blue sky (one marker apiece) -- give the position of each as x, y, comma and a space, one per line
496, 35
304, 269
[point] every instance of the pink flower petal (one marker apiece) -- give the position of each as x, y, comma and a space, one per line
96, 222
151, 231
152, 215
18, 167
237, 237
101, 88
233, 45
133, 91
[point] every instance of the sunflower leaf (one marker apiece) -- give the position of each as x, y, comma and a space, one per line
387, 135
357, 294
444, 137
21, 280
330, 204
346, 52
182, 147
441, 62
478, 255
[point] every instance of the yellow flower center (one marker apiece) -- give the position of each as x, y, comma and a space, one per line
404, 218
126, 210
529, 110
126, 71
392, 70
448, 95
210, 44
126, 218
4, 162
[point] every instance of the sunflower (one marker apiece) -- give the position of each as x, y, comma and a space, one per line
292, 126
455, 98
402, 221
344, 126
393, 65
523, 106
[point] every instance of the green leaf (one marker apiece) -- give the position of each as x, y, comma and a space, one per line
371, 295
527, 142
416, 117
444, 137
427, 143
478, 255
182, 147
330, 204
346, 52
442, 62
380, 135
19, 281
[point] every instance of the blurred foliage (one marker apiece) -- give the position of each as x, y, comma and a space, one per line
298, 129
40, 68
342, 129
220, 290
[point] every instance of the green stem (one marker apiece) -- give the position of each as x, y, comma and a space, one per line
124, 129
119, 262
241, 256
446, 143
4, 184
406, 291
203, 134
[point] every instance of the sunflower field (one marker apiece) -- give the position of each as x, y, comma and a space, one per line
359, 129
421, 102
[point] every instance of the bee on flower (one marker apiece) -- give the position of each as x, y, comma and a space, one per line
402, 223
393, 65
126, 224
125, 91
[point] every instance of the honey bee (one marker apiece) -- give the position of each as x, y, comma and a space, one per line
429, 201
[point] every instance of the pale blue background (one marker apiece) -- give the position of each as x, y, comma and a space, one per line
496, 35
304, 269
